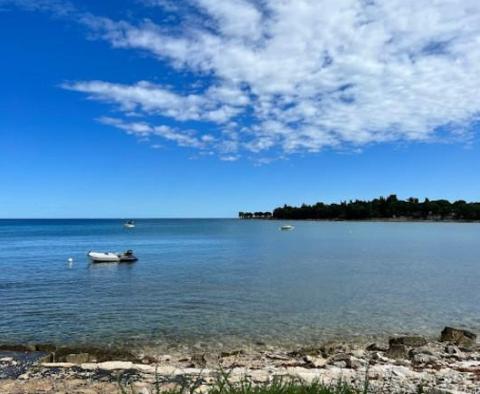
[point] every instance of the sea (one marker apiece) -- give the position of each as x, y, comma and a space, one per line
228, 282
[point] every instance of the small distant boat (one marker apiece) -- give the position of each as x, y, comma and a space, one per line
129, 224
287, 227
110, 257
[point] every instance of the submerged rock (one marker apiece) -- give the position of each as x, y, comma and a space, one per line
78, 358
459, 337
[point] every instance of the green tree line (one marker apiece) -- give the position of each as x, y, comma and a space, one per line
255, 215
379, 208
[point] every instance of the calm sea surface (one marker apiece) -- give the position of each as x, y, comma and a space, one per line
231, 281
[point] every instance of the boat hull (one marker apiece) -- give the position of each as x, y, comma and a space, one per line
109, 257
98, 257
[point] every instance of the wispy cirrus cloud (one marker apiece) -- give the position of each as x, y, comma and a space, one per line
217, 104
145, 130
303, 75
58, 7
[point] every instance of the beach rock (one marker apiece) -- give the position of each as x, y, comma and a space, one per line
282, 357
231, 362
422, 358
232, 353
410, 341
422, 350
340, 360
78, 358
453, 351
302, 352
57, 365
45, 347
89, 366
402, 362
330, 348
259, 376
140, 388
202, 360
111, 365
357, 363
397, 351
149, 369
434, 365
167, 370
459, 337
315, 362
147, 359
375, 347
17, 348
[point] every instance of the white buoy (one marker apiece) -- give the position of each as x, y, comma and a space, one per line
70, 262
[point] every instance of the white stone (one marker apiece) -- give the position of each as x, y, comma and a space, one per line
259, 376
168, 370
144, 368
112, 365
140, 388
196, 371
317, 362
89, 366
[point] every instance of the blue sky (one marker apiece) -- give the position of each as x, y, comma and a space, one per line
203, 108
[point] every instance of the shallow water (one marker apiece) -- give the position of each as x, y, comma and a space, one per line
232, 281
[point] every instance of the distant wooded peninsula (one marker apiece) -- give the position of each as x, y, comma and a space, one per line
386, 208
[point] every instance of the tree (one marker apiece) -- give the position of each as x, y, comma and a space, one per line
382, 208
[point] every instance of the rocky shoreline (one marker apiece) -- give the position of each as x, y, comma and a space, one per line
406, 364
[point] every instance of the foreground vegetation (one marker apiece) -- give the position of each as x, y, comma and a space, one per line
223, 385
380, 208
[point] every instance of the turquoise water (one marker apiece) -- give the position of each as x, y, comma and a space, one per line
231, 281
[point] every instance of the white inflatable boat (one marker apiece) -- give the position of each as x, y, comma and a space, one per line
110, 257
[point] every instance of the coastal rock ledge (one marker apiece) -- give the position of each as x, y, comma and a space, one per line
409, 364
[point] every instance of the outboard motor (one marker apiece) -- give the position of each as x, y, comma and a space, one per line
128, 256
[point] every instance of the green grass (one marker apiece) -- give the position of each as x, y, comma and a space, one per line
223, 385
279, 385
282, 386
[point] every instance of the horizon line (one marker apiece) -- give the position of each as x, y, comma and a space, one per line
116, 218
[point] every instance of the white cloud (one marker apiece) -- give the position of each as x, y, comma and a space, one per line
153, 99
235, 18
301, 75
145, 130
57, 7
229, 158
